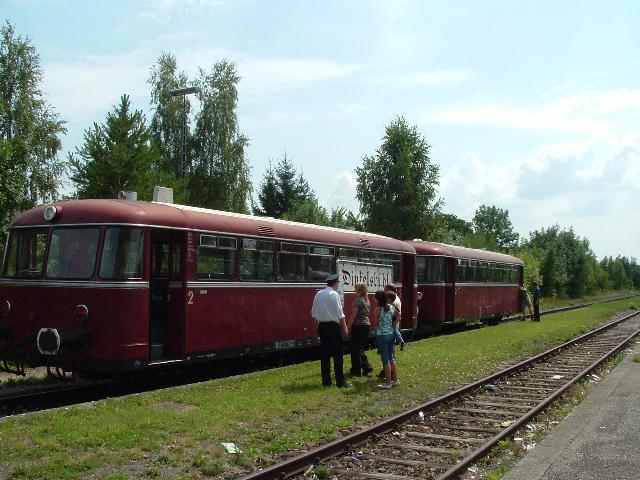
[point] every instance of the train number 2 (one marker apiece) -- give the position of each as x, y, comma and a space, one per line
190, 297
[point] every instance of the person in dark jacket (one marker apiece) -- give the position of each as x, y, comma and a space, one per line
537, 294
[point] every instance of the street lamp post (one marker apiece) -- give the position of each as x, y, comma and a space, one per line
176, 93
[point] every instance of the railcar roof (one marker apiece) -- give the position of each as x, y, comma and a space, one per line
433, 248
125, 212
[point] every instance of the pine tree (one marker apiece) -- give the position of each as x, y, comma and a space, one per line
116, 156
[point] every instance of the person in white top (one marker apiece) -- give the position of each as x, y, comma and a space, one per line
327, 311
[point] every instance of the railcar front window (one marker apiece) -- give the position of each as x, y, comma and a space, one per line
25, 253
72, 253
122, 255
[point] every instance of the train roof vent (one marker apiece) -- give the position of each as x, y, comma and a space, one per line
266, 230
163, 194
364, 242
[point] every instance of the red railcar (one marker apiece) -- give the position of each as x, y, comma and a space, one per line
462, 285
118, 285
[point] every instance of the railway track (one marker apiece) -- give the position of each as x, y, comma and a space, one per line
443, 437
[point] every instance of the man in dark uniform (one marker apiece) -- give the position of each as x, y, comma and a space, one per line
537, 294
327, 311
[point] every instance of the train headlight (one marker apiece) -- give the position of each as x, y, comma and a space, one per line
5, 308
81, 313
50, 213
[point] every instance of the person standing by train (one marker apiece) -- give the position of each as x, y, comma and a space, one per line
537, 294
360, 326
386, 341
327, 311
525, 303
397, 304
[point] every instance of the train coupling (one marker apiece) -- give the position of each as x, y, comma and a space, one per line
50, 340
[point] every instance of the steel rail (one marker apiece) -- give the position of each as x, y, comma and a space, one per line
467, 461
300, 463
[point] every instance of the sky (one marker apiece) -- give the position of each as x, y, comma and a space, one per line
530, 106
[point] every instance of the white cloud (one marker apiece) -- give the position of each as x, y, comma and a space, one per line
83, 89
590, 185
264, 76
592, 113
343, 193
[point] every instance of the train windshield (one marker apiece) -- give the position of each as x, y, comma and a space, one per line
72, 253
25, 253
122, 255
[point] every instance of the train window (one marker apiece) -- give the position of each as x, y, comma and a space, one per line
25, 253
421, 269
434, 270
461, 270
394, 261
208, 241
227, 243
349, 254
483, 272
72, 253
216, 258
327, 251
256, 260
320, 264
490, 272
160, 260
176, 257
472, 271
122, 257
294, 248
292, 262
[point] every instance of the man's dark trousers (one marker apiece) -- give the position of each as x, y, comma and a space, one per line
331, 345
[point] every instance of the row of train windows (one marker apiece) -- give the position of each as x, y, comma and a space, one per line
216, 260
489, 272
432, 270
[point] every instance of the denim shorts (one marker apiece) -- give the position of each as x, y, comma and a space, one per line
385, 347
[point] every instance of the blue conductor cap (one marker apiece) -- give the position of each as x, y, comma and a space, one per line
332, 278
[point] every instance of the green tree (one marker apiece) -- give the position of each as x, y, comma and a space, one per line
396, 188
493, 222
169, 112
219, 173
308, 211
117, 155
283, 189
30, 168
267, 194
342, 218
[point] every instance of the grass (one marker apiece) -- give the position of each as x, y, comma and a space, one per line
177, 433
555, 302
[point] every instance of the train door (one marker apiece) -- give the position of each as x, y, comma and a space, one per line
451, 290
166, 332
